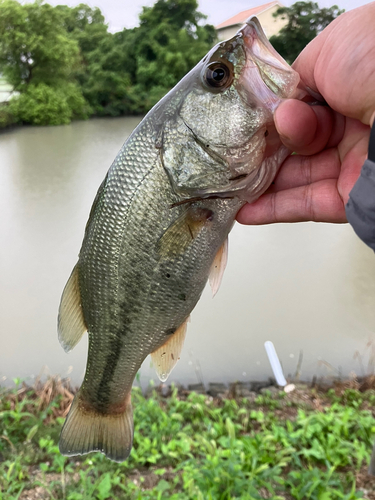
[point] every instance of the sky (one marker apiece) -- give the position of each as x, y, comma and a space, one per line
124, 13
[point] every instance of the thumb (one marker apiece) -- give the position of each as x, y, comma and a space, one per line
303, 128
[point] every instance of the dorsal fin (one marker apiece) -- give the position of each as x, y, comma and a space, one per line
71, 324
218, 267
165, 357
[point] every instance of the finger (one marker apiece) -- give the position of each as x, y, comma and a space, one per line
304, 129
306, 61
352, 152
300, 170
305, 64
338, 63
318, 202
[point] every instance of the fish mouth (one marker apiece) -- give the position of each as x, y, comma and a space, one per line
264, 81
256, 38
271, 77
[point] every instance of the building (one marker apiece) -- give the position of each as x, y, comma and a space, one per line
264, 13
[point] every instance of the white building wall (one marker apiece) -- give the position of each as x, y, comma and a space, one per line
270, 25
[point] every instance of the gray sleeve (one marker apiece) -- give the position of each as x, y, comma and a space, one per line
360, 209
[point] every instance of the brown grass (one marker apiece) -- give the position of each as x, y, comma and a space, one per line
54, 389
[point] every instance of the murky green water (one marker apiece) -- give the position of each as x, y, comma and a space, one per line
308, 287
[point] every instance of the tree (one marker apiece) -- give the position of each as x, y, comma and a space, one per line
168, 43
305, 21
34, 45
66, 64
39, 57
86, 25
102, 77
108, 82
129, 71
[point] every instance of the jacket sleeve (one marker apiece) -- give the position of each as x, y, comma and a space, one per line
360, 209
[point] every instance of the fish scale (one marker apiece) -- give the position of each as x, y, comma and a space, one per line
158, 228
139, 298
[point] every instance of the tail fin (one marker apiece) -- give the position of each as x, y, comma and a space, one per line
87, 430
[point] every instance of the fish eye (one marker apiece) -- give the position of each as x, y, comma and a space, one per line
218, 76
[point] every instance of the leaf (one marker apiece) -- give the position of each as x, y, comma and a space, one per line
32, 433
230, 428
163, 485
325, 496
104, 487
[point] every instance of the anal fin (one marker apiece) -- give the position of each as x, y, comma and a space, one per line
71, 324
218, 267
165, 357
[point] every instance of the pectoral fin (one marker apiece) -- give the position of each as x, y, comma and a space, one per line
166, 356
218, 267
71, 324
180, 234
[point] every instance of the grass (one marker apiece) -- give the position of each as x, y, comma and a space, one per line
310, 444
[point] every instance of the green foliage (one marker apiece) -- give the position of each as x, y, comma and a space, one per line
108, 80
39, 57
35, 47
176, 13
122, 73
168, 43
80, 109
305, 21
44, 105
195, 448
102, 75
6, 117
130, 71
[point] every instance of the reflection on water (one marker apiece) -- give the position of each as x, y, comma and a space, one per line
308, 287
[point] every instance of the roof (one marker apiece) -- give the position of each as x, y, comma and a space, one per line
242, 17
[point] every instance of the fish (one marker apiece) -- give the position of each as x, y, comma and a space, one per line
159, 224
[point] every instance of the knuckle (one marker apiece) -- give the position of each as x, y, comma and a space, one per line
273, 207
306, 169
308, 198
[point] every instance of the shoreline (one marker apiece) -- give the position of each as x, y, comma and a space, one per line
16, 126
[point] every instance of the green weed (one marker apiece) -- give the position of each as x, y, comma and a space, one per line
194, 447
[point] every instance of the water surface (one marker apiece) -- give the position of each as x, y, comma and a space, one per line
307, 287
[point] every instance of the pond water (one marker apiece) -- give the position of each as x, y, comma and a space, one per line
308, 287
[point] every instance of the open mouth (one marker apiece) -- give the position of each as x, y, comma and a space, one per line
272, 79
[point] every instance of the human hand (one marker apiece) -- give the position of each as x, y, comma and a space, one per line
331, 142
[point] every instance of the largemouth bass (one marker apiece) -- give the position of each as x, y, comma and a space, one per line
159, 225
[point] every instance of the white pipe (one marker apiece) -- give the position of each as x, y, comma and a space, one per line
275, 363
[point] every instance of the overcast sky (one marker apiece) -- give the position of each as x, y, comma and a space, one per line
124, 13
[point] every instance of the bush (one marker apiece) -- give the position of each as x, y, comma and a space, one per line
44, 105
41, 105
80, 108
6, 117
